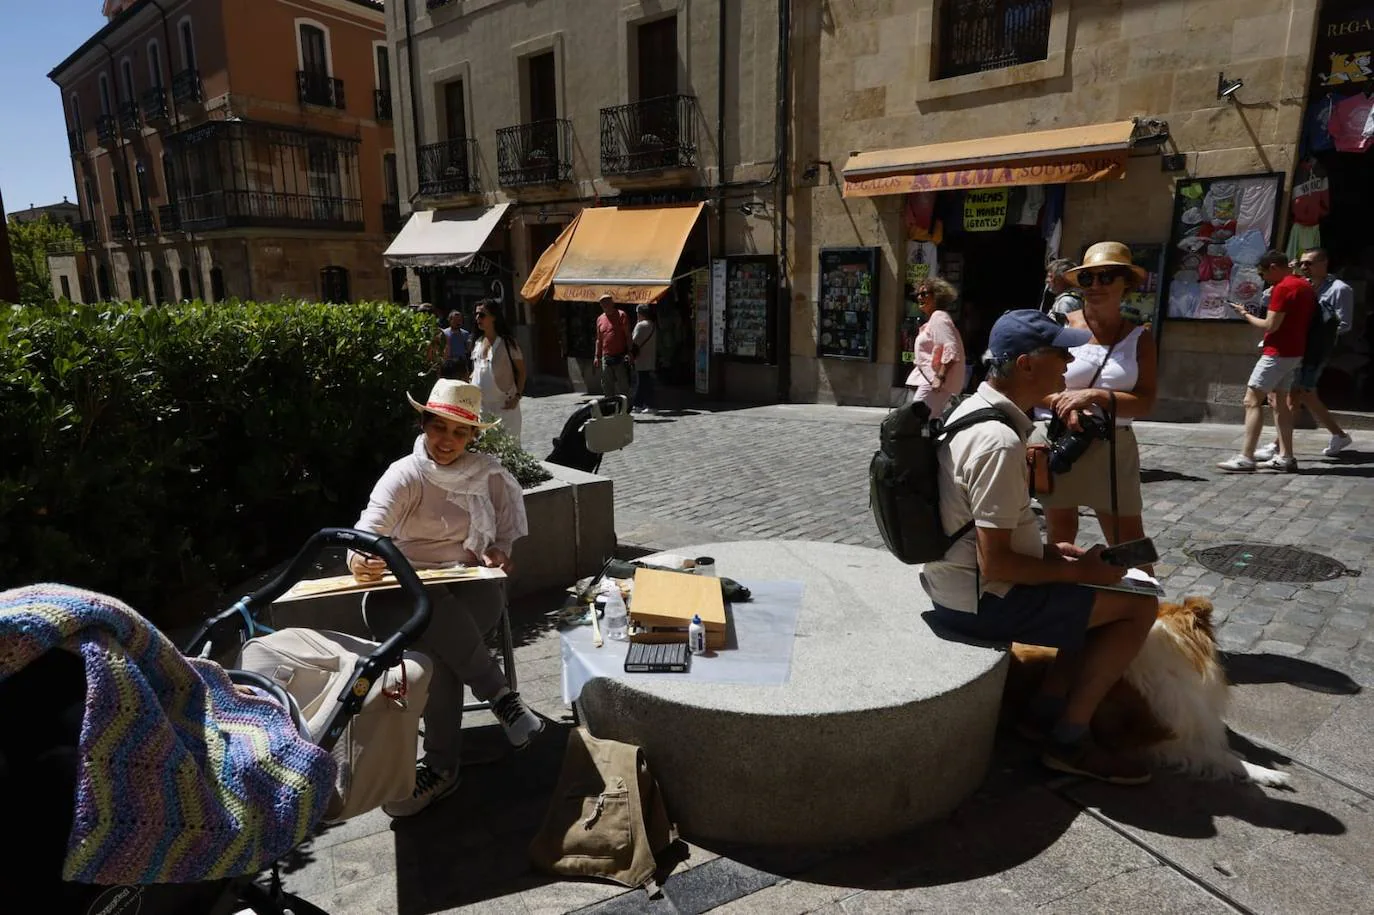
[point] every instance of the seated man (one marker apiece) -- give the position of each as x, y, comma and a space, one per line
1003, 583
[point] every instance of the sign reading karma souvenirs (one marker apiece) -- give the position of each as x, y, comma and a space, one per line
1099, 167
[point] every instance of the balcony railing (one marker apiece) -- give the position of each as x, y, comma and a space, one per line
129, 119
319, 89
538, 153
228, 209
382, 103
76, 141
168, 219
105, 129
391, 217
119, 226
144, 227
154, 104
652, 135
449, 167
86, 235
977, 35
186, 88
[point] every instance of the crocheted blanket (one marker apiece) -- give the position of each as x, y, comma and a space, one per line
184, 776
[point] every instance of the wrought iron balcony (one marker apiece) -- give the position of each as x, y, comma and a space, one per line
105, 129
76, 141
153, 102
992, 35
230, 209
652, 135
449, 167
129, 119
186, 89
168, 219
382, 101
538, 153
86, 234
391, 217
119, 226
144, 227
319, 89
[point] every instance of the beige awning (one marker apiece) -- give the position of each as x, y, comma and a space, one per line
630, 253
1094, 153
541, 277
443, 238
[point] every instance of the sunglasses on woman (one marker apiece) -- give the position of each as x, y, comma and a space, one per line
480, 315
1086, 278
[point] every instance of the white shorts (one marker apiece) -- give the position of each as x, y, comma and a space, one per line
1274, 373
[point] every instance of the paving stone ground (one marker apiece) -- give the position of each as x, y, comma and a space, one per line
1301, 655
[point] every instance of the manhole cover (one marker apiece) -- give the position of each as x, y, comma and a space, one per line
1267, 562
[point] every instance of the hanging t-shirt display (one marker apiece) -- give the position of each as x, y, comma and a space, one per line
1221, 228
848, 303
1311, 193
1352, 123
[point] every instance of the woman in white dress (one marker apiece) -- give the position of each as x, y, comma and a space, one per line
498, 367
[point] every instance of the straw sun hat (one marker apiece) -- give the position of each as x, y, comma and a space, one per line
455, 400
1106, 254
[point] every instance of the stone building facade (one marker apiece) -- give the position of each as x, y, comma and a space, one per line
880, 75
231, 149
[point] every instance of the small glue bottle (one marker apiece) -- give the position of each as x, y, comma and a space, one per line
696, 636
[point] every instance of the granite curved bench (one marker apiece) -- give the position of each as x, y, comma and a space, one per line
881, 726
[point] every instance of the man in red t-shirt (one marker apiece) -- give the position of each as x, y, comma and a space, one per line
612, 348
1291, 303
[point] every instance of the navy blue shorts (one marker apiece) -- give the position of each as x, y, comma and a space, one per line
1053, 615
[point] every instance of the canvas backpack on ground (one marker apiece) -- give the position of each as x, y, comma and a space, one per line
903, 480
606, 818
376, 751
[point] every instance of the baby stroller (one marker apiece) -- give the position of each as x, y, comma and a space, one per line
594, 428
42, 707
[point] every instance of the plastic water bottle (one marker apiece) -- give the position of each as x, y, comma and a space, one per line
617, 621
696, 636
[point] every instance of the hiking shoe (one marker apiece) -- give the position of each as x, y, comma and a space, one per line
431, 784
1281, 464
1091, 761
1238, 464
1266, 452
1338, 444
519, 722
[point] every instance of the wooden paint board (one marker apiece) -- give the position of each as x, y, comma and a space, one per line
671, 599
309, 588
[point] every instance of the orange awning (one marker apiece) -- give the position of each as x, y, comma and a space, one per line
630, 253
541, 277
1094, 153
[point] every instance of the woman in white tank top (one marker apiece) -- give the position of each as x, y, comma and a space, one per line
1120, 360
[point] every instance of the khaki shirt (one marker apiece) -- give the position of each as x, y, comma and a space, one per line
983, 478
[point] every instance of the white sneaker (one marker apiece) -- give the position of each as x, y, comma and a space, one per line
1266, 452
430, 785
1280, 463
1338, 444
1238, 464
516, 718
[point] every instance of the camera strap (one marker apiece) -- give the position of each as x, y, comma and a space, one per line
1111, 455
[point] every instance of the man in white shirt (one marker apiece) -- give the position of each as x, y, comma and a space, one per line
1004, 583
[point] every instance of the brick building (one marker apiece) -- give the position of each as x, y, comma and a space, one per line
231, 148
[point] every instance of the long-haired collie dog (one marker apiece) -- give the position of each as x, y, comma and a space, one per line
1170, 704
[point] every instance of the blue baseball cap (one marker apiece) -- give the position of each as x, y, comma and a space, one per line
1026, 330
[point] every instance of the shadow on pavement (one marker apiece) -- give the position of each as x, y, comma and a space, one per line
1273, 668
1151, 475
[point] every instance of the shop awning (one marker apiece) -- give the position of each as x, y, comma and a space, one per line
1094, 153
541, 277
629, 252
443, 238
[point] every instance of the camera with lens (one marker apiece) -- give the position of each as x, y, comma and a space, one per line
1067, 445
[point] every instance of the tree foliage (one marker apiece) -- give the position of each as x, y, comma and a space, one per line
30, 242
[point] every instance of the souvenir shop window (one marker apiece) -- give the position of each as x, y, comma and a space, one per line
1220, 229
847, 303
750, 308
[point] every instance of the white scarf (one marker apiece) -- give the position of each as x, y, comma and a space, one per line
466, 483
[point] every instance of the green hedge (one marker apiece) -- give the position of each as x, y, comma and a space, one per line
164, 454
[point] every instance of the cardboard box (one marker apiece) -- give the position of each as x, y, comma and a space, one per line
665, 602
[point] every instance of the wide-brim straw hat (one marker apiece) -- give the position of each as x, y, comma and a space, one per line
1106, 254
459, 401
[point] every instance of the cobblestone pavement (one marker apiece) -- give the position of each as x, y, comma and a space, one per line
800, 472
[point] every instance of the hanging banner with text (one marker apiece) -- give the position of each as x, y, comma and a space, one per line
1096, 167
985, 211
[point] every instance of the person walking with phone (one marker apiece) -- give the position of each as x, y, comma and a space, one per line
1111, 382
937, 372
498, 367
612, 348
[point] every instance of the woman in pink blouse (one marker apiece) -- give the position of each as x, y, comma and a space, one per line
939, 353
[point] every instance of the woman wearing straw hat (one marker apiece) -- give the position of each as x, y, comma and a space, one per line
444, 504
1115, 373
938, 356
